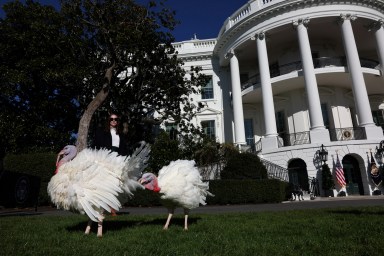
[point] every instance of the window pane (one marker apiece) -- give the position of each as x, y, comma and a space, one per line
248, 131
169, 126
209, 128
207, 90
378, 118
171, 129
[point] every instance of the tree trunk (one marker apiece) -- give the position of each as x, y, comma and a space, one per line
85, 120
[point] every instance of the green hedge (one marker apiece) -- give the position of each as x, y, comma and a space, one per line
144, 198
41, 165
246, 191
226, 192
244, 166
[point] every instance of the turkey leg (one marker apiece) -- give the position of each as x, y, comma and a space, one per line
170, 214
88, 228
100, 229
186, 212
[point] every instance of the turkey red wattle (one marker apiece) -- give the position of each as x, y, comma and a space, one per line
149, 181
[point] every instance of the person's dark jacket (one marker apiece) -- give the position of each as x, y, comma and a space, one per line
103, 139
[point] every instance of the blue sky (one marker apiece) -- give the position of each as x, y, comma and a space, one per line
203, 17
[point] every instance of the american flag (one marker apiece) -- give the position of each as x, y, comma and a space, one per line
340, 173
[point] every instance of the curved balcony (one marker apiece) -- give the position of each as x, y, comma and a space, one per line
322, 62
336, 134
271, 7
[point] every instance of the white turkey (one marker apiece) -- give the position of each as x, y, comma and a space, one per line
181, 185
94, 181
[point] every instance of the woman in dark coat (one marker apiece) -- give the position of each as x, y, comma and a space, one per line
111, 137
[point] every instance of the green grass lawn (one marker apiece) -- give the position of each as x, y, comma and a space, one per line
336, 231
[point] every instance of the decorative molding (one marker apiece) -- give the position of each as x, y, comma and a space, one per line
230, 54
260, 35
301, 21
347, 134
374, 26
254, 15
196, 57
348, 16
209, 111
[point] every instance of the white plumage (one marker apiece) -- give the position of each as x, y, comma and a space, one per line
181, 185
95, 181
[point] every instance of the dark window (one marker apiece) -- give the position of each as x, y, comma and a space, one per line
324, 111
244, 78
280, 121
207, 90
378, 117
248, 131
209, 128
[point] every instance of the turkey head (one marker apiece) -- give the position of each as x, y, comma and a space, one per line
149, 181
65, 155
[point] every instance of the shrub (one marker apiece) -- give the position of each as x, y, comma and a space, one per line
37, 164
226, 192
246, 191
244, 166
144, 198
163, 151
326, 177
209, 153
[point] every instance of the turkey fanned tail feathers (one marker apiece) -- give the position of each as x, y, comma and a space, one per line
96, 181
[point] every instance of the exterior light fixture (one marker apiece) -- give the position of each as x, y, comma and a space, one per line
323, 153
380, 149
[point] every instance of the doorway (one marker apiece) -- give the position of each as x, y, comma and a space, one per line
298, 175
352, 176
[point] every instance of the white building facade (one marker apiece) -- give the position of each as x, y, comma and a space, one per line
289, 76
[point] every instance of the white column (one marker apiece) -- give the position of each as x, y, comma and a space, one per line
266, 87
379, 35
237, 100
315, 114
354, 67
318, 133
270, 141
360, 94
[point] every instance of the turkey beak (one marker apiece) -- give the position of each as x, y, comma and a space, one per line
143, 181
59, 156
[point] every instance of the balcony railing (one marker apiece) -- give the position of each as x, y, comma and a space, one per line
348, 133
292, 139
301, 138
297, 65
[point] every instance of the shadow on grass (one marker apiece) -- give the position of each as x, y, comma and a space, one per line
8, 214
113, 224
356, 212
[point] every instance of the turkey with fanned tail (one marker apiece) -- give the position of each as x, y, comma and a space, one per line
94, 181
180, 185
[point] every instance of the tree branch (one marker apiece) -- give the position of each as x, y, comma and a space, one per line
85, 120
